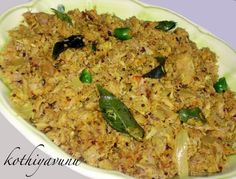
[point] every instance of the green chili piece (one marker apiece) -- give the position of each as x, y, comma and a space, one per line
85, 76
189, 113
122, 33
221, 85
165, 25
117, 114
61, 8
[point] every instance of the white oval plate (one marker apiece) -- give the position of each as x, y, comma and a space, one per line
124, 9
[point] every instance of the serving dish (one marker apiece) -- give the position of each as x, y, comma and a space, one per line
123, 9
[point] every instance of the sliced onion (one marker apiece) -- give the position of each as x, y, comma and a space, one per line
182, 140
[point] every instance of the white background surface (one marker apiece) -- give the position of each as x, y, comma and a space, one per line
218, 16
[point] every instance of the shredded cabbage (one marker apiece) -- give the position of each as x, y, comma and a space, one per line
24, 110
75, 83
182, 140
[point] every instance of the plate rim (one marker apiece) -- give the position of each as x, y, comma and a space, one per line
41, 137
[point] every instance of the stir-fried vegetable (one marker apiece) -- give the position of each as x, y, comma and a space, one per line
157, 72
24, 110
122, 33
165, 25
117, 114
181, 153
189, 113
74, 41
221, 85
60, 13
85, 76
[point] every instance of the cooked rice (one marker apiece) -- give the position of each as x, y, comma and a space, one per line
49, 94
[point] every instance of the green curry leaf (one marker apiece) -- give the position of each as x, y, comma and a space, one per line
117, 114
